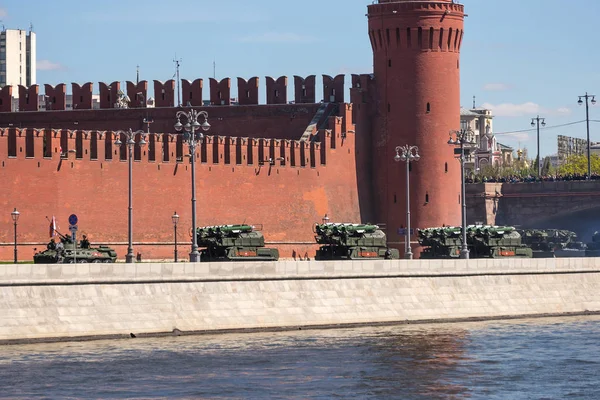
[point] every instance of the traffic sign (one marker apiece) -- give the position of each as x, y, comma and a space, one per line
73, 228
402, 231
73, 219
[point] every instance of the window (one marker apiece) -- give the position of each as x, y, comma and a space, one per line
428, 108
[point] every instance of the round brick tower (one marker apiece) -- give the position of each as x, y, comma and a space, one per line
416, 47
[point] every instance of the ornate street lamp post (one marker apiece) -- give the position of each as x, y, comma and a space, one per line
460, 139
175, 219
587, 121
192, 138
407, 153
538, 120
325, 219
15, 217
130, 143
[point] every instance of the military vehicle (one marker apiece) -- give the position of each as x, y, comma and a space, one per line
483, 241
346, 241
233, 243
593, 248
71, 252
549, 243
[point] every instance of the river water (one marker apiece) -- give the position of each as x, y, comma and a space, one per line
518, 359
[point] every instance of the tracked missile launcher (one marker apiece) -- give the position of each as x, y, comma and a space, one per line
346, 241
233, 243
593, 248
548, 243
483, 241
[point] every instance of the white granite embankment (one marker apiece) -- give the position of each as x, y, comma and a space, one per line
41, 302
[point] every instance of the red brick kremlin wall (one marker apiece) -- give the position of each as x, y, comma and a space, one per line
233, 186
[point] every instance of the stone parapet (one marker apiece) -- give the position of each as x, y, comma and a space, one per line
68, 274
52, 302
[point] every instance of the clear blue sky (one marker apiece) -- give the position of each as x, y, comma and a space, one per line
520, 58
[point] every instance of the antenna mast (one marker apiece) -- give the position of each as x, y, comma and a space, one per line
137, 78
214, 69
177, 64
474, 102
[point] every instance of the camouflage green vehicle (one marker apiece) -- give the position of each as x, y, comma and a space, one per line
549, 243
233, 243
483, 241
67, 252
593, 248
345, 241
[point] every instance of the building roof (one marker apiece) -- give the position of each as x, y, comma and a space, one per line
467, 113
505, 147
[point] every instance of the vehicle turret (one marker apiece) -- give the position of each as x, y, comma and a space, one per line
547, 243
352, 241
241, 242
68, 252
483, 241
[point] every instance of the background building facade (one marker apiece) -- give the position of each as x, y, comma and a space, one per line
486, 151
17, 57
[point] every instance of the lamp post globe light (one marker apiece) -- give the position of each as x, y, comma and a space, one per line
192, 138
407, 154
534, 122
460, 139
15, 217
175, 219
587, 98
325, 219
130, 143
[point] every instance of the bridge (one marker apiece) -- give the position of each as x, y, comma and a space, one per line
573, 205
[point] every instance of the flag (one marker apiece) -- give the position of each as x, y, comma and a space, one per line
53, 227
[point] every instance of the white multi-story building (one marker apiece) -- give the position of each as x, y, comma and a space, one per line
17, 58
486, 150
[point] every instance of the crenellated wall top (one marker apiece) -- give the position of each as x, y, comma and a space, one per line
390, 7
163, 94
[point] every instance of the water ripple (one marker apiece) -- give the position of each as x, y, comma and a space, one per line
525, 359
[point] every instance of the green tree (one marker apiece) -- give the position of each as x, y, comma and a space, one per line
577, 164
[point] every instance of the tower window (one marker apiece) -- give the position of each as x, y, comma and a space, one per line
420, 37
408, 39
446, 168
456, 39
426, 198
431, 38
389, 63
428, 108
